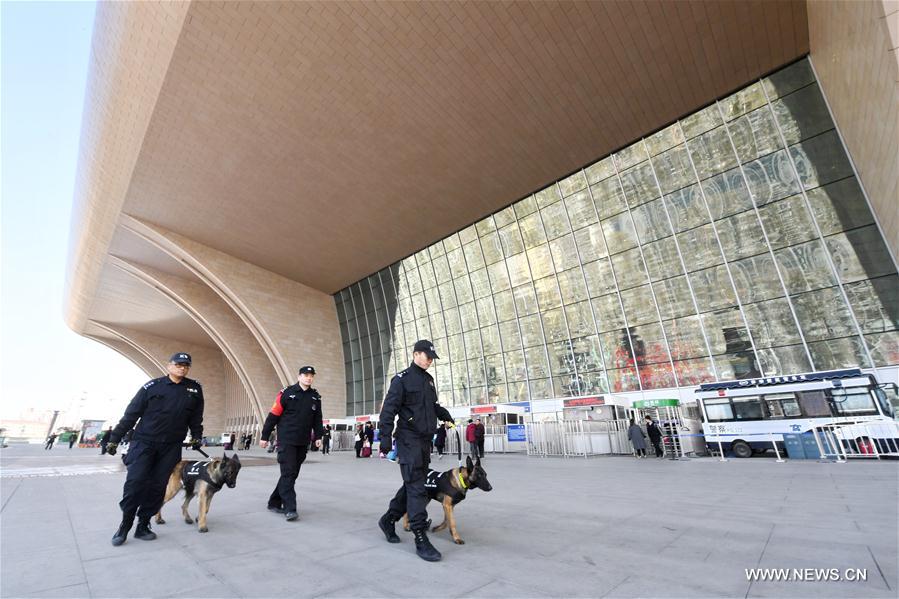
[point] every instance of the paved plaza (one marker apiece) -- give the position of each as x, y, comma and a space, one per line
603, 527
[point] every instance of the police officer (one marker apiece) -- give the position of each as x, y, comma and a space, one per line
297, 412
413, 397
166, 407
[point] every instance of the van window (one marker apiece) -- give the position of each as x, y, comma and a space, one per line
718, 410
853, 402
782, 405
814, 404
748, 408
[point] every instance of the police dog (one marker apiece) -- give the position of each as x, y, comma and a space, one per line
200, 478
449, 488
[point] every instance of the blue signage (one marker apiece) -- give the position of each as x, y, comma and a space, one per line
515, 432
524, 404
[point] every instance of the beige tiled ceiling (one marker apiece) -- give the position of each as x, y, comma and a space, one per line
324, 140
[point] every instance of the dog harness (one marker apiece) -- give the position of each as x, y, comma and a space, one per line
440, 482
195, 471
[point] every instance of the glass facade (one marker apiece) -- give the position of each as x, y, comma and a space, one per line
734, 243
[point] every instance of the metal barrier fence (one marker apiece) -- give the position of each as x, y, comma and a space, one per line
858, 440
577, 438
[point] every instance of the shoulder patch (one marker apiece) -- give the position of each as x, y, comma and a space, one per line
150, 384
400, 374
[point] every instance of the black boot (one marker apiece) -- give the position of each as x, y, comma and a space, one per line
143, 532
386, 524
423, 547
122, 533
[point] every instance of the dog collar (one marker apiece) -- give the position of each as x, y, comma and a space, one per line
462, 481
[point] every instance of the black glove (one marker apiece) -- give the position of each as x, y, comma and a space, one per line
111, 448
386, 446
196, 443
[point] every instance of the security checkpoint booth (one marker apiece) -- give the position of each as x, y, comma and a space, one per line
577, 427
497, 418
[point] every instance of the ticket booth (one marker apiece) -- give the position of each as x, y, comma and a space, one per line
496, 419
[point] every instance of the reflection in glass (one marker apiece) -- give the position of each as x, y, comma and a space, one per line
875, 303
860, 254
838, 353
823, 314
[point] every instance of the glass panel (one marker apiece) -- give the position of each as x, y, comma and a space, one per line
510, 335
787, 222
788, 79
875, 303
554, 325
755, 135
492, 248
651, 222
639, 184
480, 283
525, 299
823, 314
490, 340
756, 279
600, 170
664, 139
587, 354
639, 306
838, 353
537, 365
519, 270
736, 366
662, 260
540, 261
727, 193
687, 208
464, 293
700, 248
783, 360
573, 183
547, 196
608, 197
590, 243
561, 361
771, 178
619, 233
580, 319
531, 331
540, 389
839, 206
741, 236
743, 101
629, 269
525, 207
673, 169
555, 220
515, 365
580, 209
712, 153
499, 277
685, 338
772, 323
629, 156
547, 293
726, 332
802, 114
805, 267
599, 278
712, 288
510, 238
694, 372
608, 313
702, 121
673, 297
860, 254
564, 252
572, 286
504, 217
884, 348
593, 383
616, 347
532, 231
624, 379
486, 313
821, 160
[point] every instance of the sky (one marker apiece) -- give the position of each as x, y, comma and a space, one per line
43, 364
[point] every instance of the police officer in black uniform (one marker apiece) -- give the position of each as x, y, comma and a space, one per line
413, 397
166, 407
297, 412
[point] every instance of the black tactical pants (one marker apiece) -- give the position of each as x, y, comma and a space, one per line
657, 447
412, 497
290, 458
149, 466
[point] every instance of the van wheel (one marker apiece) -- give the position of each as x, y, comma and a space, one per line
741, 449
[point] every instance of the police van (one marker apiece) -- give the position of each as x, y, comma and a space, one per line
851, 407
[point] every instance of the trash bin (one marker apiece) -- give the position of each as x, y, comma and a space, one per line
794, 446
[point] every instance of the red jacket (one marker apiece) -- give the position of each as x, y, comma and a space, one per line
469, 433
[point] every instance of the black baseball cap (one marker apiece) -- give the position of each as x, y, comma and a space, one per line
180, 358
307, 370
427, 347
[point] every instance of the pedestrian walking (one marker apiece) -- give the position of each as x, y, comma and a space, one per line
369, 439
413, 397
72, 438
297, 414
638, 440
50, 441
163, 410
440, 439
248, 442
326, 440
655, 436
472, 439
104, 440
480, 434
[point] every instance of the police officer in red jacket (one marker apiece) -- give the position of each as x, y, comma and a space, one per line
297, 413
412, 397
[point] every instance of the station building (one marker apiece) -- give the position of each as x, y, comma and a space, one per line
571, 200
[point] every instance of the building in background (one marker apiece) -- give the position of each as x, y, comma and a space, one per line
569, 199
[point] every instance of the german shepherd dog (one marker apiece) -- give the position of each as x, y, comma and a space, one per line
449, 488
200, 478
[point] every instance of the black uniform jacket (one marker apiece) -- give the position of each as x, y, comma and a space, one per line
412, 397
166, 410
296, 413
653, 430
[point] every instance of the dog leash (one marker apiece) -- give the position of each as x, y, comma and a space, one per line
205, 455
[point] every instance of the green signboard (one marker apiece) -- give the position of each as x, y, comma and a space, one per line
655, 403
